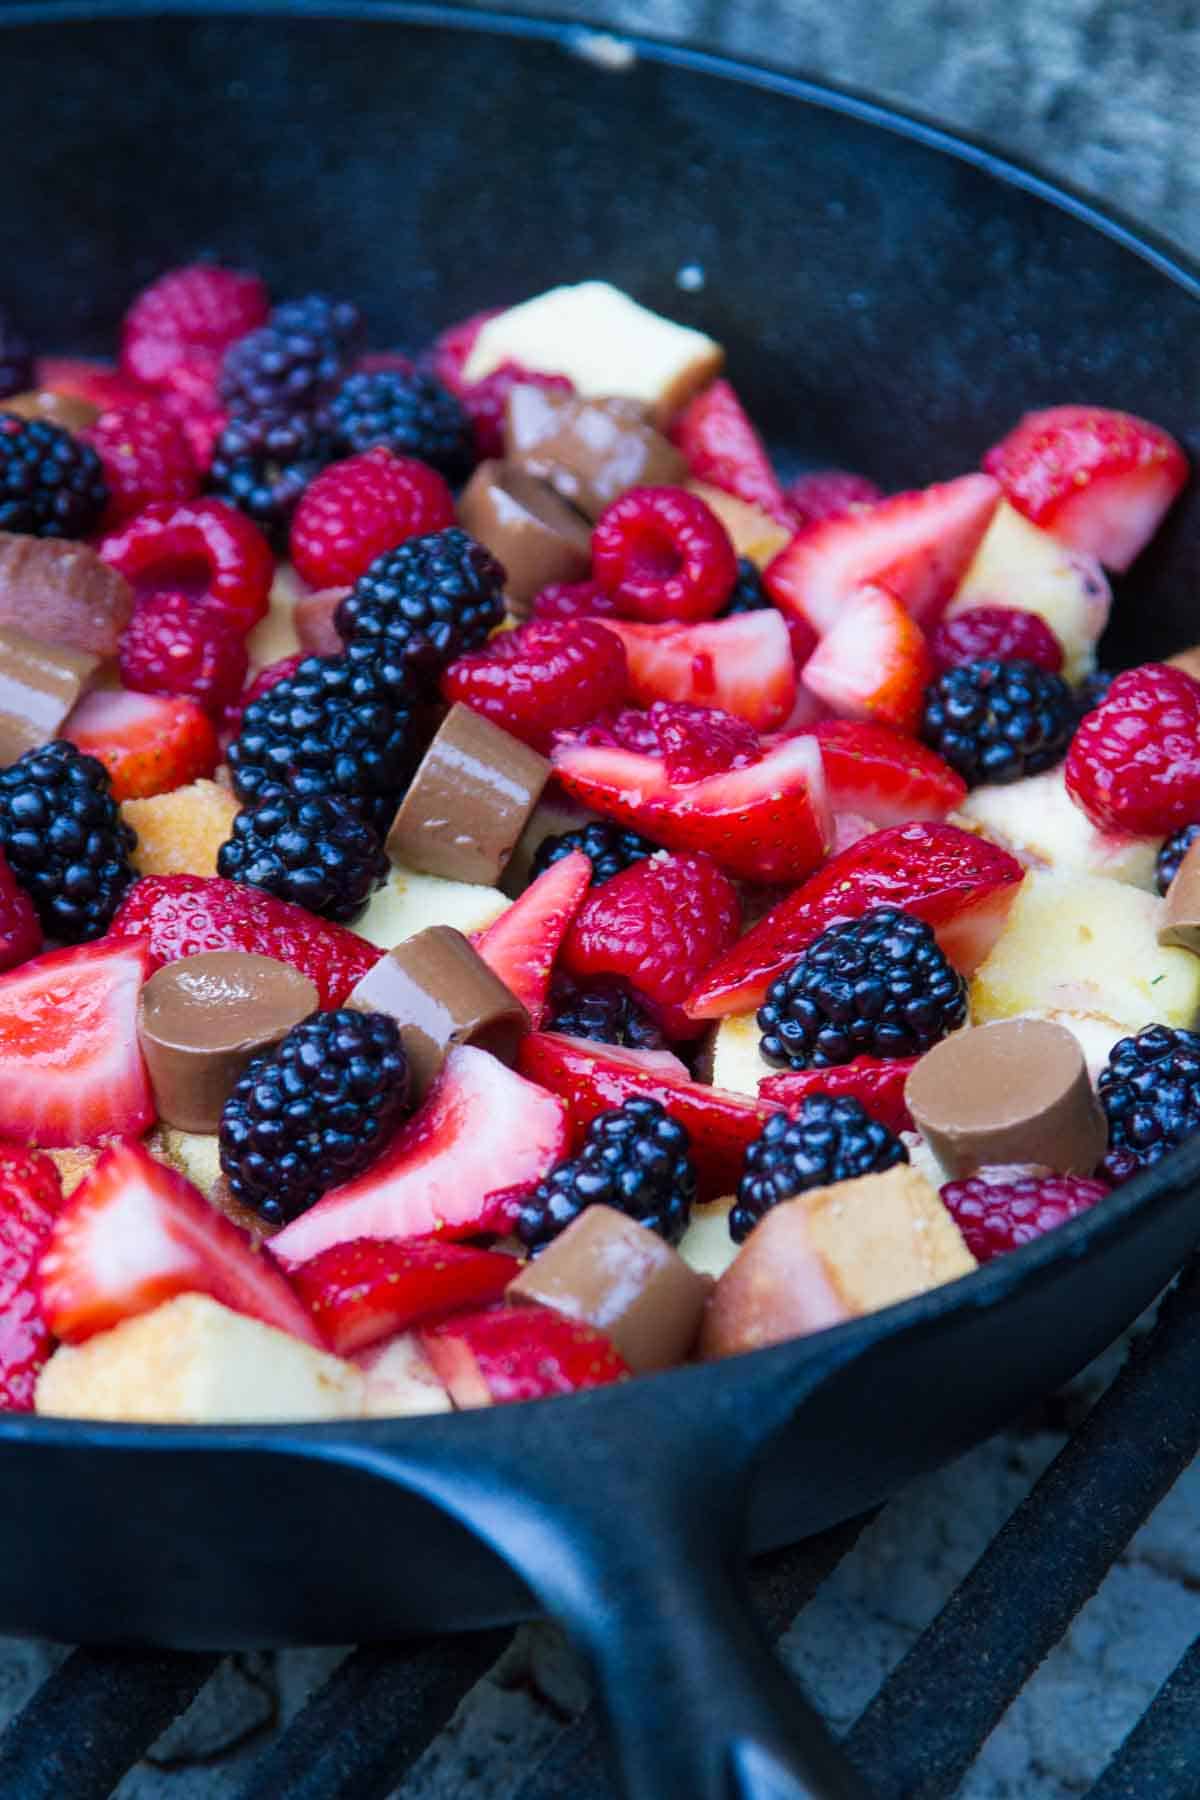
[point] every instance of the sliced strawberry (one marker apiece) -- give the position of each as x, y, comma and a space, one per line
149, 743
20, 930
916, 545
592, 1078
722, 447
885, 775
184, 915
30, 1197
877, 1085
768, 822
368, 1289
962, 884
99, 383
742, 665
521, 945
1099, 480
873, 663
483, 1138
518, 1353
71, 1070
135, 1233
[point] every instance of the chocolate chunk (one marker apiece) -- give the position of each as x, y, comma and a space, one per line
608, 1271
313, 619
532, 531
588, 450
202, 1019
468, 802
442, 993
39, 684
1013, 1092
62, 593
69, 411
1181, 905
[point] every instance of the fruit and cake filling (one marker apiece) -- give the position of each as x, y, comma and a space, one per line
500, 890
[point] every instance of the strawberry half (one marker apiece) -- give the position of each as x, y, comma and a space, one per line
521, 945
873, 662
768, 822
742, 665
459, 1167
30, 1197
135, 1233
885, 775
518, 1353
722, 447
1099, 480
367, 1289
99, 383
961, 884
916, 545
71, 1069
592, 1078
149, 743
876, 1083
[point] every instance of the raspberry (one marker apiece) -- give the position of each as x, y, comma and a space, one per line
30, 1199
357, 509
184, 915
574, 600
199, 307
1002, 1209
542, 676
173, 646
262, 684
145, 456
484, 401
1004, 633
20, 928
656, 927
202, 548
664, 555
188, 392
1134, 763
693, 741
829, 494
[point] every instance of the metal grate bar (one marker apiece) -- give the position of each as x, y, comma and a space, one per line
1045, 1563
576, 1765
363, 1730
94, 1718
1161, 1755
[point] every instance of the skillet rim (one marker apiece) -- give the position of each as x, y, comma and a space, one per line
1025, 1270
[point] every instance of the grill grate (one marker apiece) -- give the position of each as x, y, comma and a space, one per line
363, 1730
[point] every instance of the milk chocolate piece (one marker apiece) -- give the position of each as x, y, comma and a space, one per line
1013, 1092
313, 618
70, 411
202, 1019
441, 993
39, 684
1181, 907
588, 450
529, 528
608, 1271
468, 802
62, 593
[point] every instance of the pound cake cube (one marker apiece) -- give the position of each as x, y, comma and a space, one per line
1040, 823
408, 902
752, 532
1017, 564
180, 833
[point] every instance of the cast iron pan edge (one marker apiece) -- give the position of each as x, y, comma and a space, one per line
632, 1529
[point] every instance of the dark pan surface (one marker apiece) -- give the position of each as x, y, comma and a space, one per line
888, 305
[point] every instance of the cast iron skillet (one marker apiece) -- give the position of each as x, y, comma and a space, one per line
891, 299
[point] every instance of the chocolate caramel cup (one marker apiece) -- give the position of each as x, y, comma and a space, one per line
532, 531
39, 685
588, 450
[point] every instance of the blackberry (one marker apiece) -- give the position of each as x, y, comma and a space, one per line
830, 1139
634, 1158
337, 727
16, 359
314, 1111
318, 852
875, 986
1150, 1092
262, 465
611, 848
1172, 853
413, 414
319, 315
427, 602
294, 362
1092, 690
51, 485
996, 721
65, 839
749, 594
606, 1015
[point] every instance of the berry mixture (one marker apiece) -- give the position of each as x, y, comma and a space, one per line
500, 891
